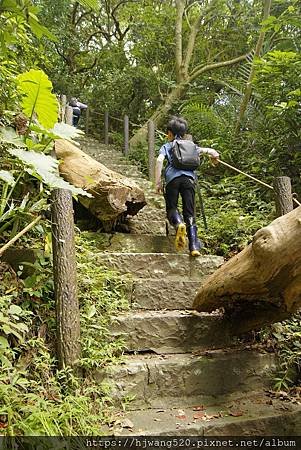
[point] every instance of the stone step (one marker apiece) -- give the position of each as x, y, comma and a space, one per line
248, 418
171, 331
161, 265
181, 380
123, 166
149, 227
162, 294
131, 243
151, 213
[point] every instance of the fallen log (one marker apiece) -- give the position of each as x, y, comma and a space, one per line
113, 194
262, 284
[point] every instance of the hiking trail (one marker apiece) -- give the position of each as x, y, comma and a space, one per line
183, 371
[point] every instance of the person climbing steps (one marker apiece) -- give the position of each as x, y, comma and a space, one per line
183, 158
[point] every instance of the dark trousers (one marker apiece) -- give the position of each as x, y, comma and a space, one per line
76, 116
184, 186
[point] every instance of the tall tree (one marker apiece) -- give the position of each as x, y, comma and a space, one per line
187, 70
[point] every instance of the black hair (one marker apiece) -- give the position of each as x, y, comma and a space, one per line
178, 126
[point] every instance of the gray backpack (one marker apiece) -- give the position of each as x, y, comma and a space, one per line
184, 155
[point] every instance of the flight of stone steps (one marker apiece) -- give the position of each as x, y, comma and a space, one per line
183, 372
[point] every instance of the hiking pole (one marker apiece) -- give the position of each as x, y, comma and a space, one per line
198, 189
253, 178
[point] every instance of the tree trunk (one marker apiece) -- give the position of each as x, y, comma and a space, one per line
65, 285
248, 89
113, 194
159, 116
262, 284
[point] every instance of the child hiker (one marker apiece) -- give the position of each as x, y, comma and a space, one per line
180, 179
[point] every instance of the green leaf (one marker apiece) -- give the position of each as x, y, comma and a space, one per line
9, 136
3, 342
65, 131
38, 29
15, 310
38, 98
46, 168
91, 312
93, 4
7, 177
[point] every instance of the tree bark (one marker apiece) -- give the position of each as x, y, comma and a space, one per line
65, 284
283, 195
263, 282
113, 194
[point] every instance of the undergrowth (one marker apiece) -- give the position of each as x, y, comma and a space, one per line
284, 338
37, 398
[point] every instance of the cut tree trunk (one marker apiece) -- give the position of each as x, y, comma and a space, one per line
262, 284
113, 194
64, 274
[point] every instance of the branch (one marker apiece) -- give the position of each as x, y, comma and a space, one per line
199, 70
15, 238
85, 69
67, 60
248, 90
84, 14
191, 43
180, 4
73, 15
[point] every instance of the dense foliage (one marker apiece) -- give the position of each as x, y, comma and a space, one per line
37, 398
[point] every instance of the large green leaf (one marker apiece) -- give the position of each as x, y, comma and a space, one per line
38, 98
60, 130
45, 168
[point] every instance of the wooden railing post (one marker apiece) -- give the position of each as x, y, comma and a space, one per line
87, 120
151, 150
69, 115
63, 103
64, 274
106, 124
126, 135
283, 195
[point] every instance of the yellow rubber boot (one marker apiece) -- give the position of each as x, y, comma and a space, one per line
180, 241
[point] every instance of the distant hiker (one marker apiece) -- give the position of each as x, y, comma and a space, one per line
182, 157
77, 107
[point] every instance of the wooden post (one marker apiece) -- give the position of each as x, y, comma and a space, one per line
283, 195
126, 135
106, 127
87, 120
63, 107
151, 150
64, 272
69, 115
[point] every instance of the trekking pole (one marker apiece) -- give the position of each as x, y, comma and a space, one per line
201, 204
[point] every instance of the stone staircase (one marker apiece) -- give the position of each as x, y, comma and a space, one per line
183, 372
